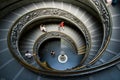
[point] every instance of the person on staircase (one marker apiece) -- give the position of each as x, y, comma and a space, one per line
42, 28
28, 54
61, 26
52, 53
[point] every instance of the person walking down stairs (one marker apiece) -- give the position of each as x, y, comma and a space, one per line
61, 26
42, 28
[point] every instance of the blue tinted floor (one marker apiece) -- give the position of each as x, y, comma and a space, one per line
59, 45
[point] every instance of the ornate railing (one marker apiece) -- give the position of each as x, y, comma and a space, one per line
28, 18
106, 21
47, 36
20, 25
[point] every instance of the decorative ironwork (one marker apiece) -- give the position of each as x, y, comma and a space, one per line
50, 35
47, 36
53, 12
104, 15
105, 18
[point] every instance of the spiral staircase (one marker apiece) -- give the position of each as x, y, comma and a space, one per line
87, 49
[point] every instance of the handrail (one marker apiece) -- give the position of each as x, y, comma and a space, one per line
26, 19
78, 71
49, 35
106, 20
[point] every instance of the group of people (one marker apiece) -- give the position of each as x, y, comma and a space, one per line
43, 28
30, 55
